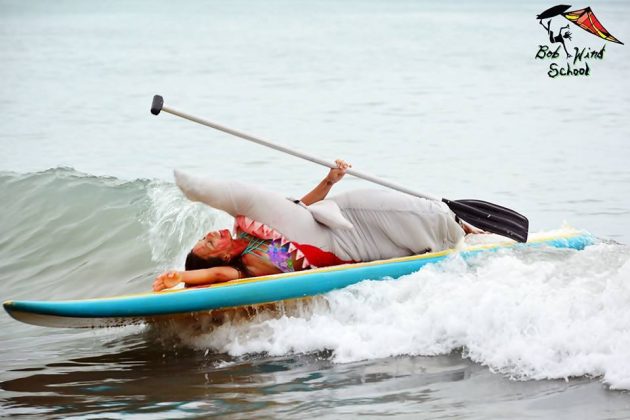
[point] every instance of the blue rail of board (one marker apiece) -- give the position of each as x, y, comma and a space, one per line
263, 289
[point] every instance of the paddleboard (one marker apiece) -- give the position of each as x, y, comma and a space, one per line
149, 307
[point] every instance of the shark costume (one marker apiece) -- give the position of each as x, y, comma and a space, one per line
361, 225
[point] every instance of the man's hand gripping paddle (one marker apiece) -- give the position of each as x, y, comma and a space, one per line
487, 216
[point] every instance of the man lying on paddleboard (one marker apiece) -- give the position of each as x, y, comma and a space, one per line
274, 235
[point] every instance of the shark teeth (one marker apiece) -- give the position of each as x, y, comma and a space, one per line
262, 231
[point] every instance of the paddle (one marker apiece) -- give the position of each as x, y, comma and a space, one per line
487, 216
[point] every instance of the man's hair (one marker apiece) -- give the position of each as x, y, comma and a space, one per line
194, 262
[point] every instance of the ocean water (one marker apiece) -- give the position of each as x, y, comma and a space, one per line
446, 98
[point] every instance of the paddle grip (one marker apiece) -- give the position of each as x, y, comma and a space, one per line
157, 104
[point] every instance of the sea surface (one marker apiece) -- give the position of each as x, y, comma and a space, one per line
443, 97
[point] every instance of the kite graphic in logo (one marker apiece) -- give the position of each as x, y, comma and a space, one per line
585, 19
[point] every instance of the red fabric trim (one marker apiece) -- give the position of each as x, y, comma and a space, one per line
318, 257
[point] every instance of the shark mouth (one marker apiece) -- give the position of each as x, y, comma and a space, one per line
262, 231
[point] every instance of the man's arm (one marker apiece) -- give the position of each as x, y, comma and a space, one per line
323, 188
195, 277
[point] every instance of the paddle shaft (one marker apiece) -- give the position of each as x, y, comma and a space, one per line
296, 153
484, 215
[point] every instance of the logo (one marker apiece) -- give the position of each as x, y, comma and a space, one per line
563, 63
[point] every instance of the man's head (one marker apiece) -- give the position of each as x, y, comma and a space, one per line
217, 244
213, 250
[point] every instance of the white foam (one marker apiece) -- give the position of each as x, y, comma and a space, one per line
175, 223
529, 314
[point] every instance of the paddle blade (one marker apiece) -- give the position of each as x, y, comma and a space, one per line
491, 217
